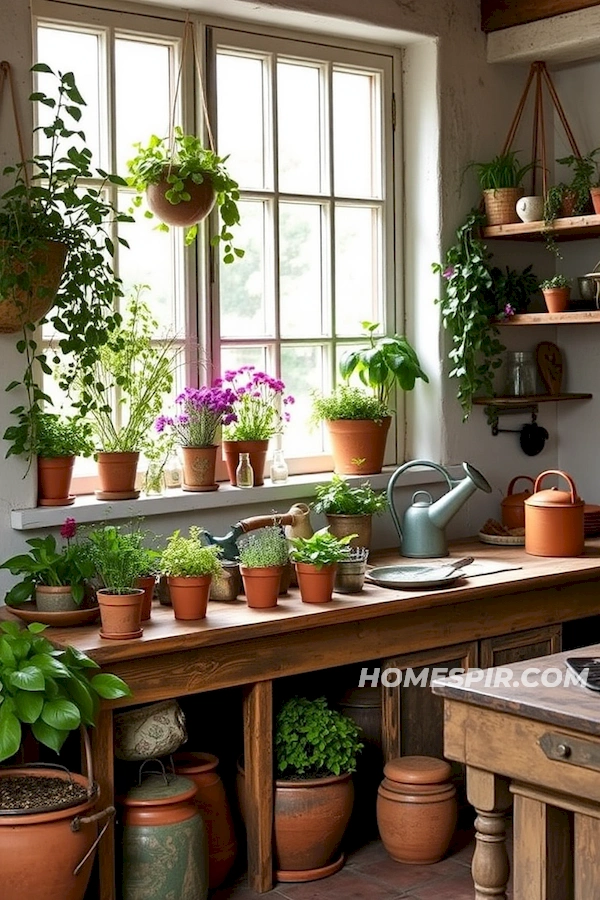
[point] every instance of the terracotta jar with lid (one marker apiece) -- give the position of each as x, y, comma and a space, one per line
513, 505
554, 520
416, 809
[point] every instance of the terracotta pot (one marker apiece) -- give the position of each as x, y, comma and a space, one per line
310, 818
49, 598
186, 213
513, 505
557, 299
340, 526
416, 809
316, 585
261, 585
199, 468
212, 804
54, 480
595, 194
120, 614
147, 583
258, 458
500, 205
189, 596
45, 267
554, 520
39, 851
117, 473
358, 445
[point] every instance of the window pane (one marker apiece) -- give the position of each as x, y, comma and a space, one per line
302, 370
358, 291
234, 357
142, 104
244, 309
302, 268
300, 120
356, 135
240, 111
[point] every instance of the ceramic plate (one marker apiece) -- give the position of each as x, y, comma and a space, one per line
413, 577
29, 612
503, 540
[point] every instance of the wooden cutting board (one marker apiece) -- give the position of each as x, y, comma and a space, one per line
550, 365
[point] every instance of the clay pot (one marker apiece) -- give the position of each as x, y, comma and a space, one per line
211, 802
54, 480
557, 299
340, 526
554, 520
261, 585
199, 468
513, 505
258, 458
363, 706
316, 585
45, 267
189, 596
120, 614
595, 194
147, 583
49, 598
188, 212
117, 473
358, 445
416, 809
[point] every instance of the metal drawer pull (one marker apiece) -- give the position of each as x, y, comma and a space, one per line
575, 751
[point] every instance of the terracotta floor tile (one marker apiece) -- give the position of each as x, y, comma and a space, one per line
349, 884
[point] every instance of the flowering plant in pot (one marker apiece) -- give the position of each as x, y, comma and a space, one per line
57, 440
557, 292
54, 577
183, 180
189, 566
203, 411
315, 559
349, 509
261, 411
263, 555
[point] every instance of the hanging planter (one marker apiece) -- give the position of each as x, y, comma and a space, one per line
165, 198
37, 265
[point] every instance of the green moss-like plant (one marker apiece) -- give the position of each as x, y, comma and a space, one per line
264, 548
312, 740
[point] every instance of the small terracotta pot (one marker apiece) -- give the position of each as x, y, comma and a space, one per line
117, 473
54, 599
147, 583
340, 526
358, 445
557, 299
189, 596
261, 585
186, 213
199, 468
316, 585
120, 614
513, 505
46, 271
54, 480
258, 458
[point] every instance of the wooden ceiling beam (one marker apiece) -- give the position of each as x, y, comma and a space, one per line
498, 14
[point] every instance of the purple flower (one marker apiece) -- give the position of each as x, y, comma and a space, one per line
68, 529
509, 311
448, 272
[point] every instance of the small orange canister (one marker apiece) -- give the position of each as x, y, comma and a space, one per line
554, 519
513, 505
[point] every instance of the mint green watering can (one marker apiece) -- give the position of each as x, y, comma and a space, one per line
422, 533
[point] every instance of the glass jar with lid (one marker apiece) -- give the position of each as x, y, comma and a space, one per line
521, 374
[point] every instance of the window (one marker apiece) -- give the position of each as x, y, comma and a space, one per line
309, 133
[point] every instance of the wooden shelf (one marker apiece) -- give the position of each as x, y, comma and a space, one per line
530, 400
577, 317
573, 228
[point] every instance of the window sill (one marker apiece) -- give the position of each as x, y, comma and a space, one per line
87, 509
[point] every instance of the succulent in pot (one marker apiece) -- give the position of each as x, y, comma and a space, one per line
349, 509
315, 559
189, 566
57, 441
263, 555
557, 293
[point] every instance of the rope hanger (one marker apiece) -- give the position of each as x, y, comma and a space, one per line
6, 76
189, 39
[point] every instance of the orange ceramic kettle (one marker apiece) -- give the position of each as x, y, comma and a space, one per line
513, 505
554, 519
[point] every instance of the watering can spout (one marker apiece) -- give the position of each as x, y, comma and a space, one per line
449, 504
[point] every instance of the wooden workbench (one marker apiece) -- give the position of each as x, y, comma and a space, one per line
235, 645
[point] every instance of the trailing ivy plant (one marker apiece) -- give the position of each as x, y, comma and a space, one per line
49, 201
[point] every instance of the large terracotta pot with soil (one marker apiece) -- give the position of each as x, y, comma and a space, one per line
54, 480
44, 266
257, 451
120, 614
117, 473
187, 212
358, 445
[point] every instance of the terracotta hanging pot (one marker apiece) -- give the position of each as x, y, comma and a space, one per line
147, 583
187, 212
358, 445
54, 480
50, 598
199, 468
117, 473
120, 614
212, 804
45, 267
189, 596
258, 458
557, 299
340, 526
316, 585
261, 585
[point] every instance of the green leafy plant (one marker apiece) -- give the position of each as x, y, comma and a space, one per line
557, 281
188, 557
312, 740
339, 498
320, 549
265, 547
347, 402
62, 436
503, 171
187, 158
49, 200
117, 558
512, 290
51, 691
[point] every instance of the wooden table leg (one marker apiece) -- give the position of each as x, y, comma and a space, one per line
490, 796
258, 766
542, 864
104, 774
587, 860
390, 715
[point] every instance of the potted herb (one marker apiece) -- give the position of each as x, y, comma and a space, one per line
501, 182
263, 555
261, 411
189, 567
315, 560
349, 510
146, 566
183, 180
57, 442
203, 411
557, 292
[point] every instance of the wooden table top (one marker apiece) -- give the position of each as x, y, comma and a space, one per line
234, 621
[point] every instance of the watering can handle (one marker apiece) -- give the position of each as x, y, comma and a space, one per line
255, 522
410, 465
518, 478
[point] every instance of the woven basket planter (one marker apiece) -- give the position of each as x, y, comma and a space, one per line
500, 205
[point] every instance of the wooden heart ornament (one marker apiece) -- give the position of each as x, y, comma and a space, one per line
550, 365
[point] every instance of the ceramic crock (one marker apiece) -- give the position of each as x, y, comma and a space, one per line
145, 732
513, 505
554, 522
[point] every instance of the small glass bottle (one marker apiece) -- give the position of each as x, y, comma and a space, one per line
521, 374
173, 471
279, 469
244, 474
